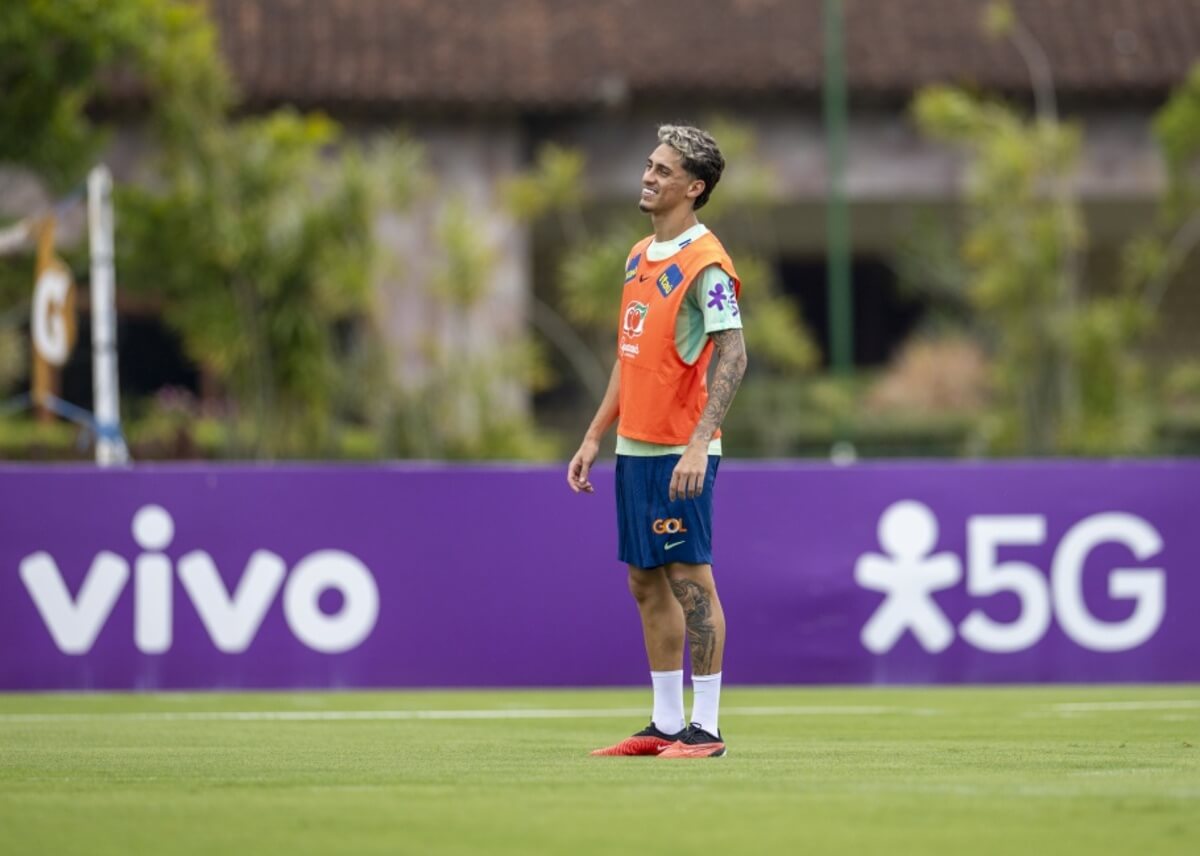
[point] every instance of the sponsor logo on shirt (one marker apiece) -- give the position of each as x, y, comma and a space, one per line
720, 298
631, 268
668, 279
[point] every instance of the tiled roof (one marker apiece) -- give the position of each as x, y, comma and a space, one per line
558, 53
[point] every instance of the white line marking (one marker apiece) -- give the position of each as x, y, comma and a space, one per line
1173, 704
1030, 791
403, 715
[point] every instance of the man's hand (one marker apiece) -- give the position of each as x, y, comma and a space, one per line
687, 481
581, 464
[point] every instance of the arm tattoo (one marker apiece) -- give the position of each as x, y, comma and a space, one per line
731, 365
702, 634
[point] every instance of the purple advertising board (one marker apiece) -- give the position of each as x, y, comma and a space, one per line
164, 577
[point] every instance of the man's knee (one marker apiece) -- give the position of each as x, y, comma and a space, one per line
646, 585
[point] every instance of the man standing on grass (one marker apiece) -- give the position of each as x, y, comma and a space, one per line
679, 304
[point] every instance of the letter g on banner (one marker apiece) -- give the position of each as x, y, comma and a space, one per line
1146, 586
50, 325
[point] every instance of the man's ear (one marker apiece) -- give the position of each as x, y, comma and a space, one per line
695, 189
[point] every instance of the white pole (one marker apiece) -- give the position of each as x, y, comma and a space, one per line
110, 445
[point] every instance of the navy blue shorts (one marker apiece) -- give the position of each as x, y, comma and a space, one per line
652, 530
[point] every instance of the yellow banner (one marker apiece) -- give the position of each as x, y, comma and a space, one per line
52, 324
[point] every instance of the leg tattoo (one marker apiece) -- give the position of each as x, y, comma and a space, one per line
701, 632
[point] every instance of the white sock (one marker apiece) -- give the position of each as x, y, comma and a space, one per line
706, 702
668, 701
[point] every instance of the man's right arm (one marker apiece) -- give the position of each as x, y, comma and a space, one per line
589, 449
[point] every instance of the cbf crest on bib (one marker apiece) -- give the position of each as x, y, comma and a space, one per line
635, 318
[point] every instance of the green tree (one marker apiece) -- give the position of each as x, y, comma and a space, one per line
468, 399
254, 235
1155, 261
59, 59
58, 56
1068, 373
260, 247
1156, 258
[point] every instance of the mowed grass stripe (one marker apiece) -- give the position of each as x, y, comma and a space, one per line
367, 715
981, 776
1121, 706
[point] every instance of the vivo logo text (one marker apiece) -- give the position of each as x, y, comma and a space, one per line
231, 618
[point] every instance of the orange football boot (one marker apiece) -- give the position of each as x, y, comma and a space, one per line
648, 741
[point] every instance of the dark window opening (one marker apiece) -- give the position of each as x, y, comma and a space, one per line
149, 357
883, 316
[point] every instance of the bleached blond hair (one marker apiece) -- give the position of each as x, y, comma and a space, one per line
701, 156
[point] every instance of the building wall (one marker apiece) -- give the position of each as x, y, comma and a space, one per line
468, 163
887, 159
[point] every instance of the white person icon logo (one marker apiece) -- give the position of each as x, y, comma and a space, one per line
908, 576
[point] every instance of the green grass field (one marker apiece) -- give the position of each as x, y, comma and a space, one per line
810, 770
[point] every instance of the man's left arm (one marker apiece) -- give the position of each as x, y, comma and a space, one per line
687, 481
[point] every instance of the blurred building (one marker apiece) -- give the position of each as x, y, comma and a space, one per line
484, 84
